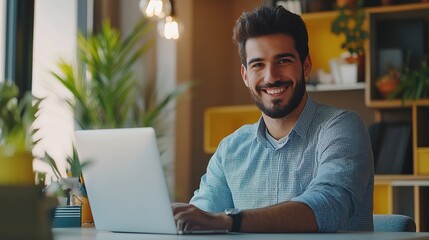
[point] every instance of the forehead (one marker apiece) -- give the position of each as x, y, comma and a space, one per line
269, 46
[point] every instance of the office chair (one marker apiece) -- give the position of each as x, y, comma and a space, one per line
393, 223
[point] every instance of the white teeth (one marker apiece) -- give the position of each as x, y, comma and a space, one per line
275, 90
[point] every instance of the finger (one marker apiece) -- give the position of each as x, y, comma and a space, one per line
180, 220
179, 225
178, 207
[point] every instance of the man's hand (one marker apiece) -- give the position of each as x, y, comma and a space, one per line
188, 218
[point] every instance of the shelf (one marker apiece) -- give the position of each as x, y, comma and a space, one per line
396, 103
335, 87
396, 8
402, 180
389, 28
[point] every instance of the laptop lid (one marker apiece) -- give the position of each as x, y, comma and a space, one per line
125, 180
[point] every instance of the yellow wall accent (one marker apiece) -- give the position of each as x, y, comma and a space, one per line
219, 122
383, 199
423, 160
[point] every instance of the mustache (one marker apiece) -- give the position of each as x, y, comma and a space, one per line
275, 84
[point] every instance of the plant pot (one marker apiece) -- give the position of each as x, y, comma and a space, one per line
343, 3
17, 169
349, 73
387, 86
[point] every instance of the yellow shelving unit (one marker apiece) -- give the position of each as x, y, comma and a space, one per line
406, 194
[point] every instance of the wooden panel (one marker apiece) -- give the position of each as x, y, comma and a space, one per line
219, 122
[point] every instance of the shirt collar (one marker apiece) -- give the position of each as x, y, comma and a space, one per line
301, 127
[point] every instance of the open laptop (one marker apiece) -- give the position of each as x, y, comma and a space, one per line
125, 181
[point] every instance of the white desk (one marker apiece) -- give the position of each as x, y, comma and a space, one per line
91, 233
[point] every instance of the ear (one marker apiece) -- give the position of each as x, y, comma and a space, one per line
307, 66
244, 75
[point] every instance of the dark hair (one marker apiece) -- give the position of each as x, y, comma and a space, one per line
266, 20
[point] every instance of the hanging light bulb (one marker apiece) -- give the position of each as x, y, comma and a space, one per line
155, 8
170, 27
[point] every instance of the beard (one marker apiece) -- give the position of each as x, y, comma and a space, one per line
277, 110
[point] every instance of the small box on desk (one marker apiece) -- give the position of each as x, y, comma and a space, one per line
67, 216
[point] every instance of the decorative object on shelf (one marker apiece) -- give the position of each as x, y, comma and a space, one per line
349, 24
169, 26
387, 84
414, 83
16, 135
343, 71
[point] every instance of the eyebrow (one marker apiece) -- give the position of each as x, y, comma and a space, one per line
278, 56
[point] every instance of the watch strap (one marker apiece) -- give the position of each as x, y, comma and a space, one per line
236, 222
236, 217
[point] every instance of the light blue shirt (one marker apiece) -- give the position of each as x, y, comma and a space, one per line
326, 163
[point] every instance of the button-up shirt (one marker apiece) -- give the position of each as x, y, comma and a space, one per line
326, 163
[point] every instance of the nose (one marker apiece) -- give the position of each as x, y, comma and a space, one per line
271, 74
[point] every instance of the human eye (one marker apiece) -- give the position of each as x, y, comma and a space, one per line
257, 65
285, 60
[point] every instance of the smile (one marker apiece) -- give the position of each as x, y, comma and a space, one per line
275, 90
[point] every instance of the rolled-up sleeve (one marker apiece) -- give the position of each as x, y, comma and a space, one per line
344, 177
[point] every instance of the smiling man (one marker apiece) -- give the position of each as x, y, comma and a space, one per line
304, 166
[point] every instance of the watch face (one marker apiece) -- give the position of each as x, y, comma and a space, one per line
231, 211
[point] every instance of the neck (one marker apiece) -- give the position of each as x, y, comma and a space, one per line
280, 127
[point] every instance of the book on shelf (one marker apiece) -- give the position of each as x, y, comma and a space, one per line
392, 147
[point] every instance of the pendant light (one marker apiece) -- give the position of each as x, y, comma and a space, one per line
170, 27
155, 8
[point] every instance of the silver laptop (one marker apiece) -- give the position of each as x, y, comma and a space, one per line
125, 181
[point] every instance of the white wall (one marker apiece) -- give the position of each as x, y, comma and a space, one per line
55, 31
2, 38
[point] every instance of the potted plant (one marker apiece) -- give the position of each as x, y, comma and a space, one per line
69, 189
104, 90
16, 135
414, 83
388, 83
350, 24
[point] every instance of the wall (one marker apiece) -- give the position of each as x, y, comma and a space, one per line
2, 38
51, 45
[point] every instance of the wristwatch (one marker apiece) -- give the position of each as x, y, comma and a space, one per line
236, 216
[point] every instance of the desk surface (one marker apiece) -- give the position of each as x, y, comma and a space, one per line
91, 233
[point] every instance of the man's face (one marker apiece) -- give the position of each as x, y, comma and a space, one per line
274, 74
